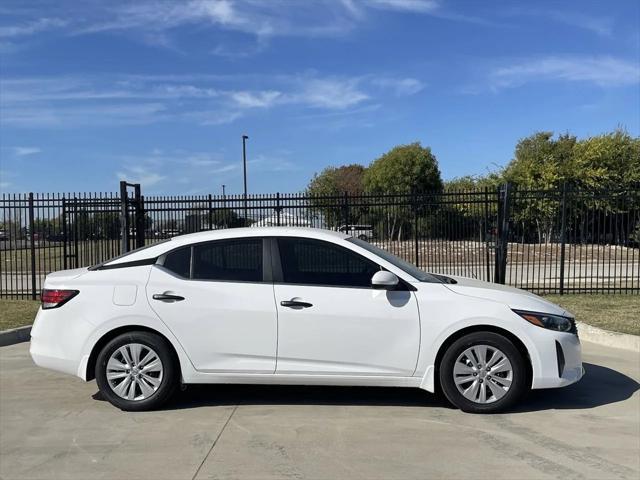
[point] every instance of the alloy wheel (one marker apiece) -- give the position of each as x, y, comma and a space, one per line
134, 371
483, 374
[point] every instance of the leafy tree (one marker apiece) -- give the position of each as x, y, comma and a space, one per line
406, 169
540, 163
607, 162
226, 218
336, 182
106, 225
462, 207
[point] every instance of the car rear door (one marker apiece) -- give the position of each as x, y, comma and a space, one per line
217, 299
330, 320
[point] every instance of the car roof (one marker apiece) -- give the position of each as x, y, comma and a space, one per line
152, 251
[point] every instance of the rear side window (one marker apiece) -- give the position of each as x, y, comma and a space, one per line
232, 260
316, 262
179, 262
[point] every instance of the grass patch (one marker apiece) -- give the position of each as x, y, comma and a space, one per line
17, 313
618, 313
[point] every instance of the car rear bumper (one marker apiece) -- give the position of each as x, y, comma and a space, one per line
56, 341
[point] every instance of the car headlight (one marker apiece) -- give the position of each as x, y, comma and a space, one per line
551, 322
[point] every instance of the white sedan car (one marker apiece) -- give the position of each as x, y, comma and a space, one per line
288, 305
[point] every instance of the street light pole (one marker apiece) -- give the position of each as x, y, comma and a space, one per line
223, 186
244, 170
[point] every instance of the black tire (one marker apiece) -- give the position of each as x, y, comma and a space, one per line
170, 371
519, 385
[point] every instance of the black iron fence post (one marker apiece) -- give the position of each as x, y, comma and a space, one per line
32, 238
485, 233
210, 213
76, 252
278, 208
345, 212
502, 240
140, 223
124, 219
415, 230
563, 239
65, 234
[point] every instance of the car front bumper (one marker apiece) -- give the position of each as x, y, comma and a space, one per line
561, 356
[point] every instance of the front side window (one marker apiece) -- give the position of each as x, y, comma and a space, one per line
231, 260
315, 262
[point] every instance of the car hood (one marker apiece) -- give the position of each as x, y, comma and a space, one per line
513, 297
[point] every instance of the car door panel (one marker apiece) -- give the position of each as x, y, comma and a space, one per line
348, 331
344, 330
223, 325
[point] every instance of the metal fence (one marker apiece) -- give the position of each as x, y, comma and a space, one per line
552, 241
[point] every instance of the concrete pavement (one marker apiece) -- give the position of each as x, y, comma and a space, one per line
54, 426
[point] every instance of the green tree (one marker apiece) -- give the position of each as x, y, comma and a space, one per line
405, 170
607, 162
335, 182
462, 207
541, 162
226, 218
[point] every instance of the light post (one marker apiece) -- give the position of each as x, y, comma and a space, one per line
223, 187
244, 171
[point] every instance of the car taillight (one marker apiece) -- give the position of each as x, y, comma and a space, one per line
56, 298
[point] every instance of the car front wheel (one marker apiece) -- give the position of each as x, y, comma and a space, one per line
136, 371
483, 372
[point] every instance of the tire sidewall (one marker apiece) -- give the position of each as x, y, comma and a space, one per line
519, 383
169, 375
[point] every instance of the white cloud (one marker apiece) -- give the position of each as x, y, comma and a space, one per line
601, 71
223, 169
420, 6
31, 27
401, 86
140, 174
25, 151
70, 101
331, 93
256, 99
601, 25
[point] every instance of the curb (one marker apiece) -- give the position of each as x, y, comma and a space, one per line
15, 335
608, 338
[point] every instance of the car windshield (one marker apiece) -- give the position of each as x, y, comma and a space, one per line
402, 264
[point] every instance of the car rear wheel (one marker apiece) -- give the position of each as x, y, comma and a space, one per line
483, 372
136, 371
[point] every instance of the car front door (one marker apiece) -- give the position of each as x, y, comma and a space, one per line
331, 321
214, 298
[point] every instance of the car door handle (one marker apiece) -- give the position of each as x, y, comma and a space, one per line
295, 303
167, 297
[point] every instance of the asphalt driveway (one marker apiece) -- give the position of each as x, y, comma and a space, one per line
54, 426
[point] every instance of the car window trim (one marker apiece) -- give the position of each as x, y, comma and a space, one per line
267, 272
403, 285
133, 263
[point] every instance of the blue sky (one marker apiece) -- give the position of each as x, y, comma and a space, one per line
160, 92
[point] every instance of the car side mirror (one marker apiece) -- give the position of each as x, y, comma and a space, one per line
384, 280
